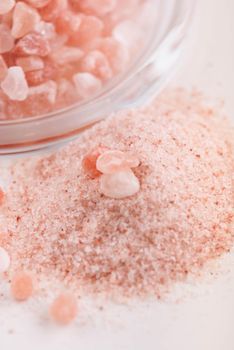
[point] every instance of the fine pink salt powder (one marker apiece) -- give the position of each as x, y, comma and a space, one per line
57, 222
61, 40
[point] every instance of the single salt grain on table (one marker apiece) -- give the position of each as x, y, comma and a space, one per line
22, 286
15, 85
64, 309
4, 260
112, 161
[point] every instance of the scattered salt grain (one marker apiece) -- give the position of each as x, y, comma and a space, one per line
64, 309
22, 286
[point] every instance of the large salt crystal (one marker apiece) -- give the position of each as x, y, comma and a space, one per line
53, 9
95, 62
100, 7
15, 85
48, 90
110, 161
40, 76
30, 63
6, 39
116, 53
68, 22
4, 260
67, 54
32, 44
120, 184
3, 68
25, 19
6, 6
39, 3
91, 27
86, 84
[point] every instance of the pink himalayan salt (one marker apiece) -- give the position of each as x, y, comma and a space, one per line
67, 54
100, 7
90, 29
68, 22
6, 6
56, 222
89, 162
40, 76
25, 19
15, 85
96, 63
32, 44
38, 3
3, 68
4, 260
112, 161
86, 84
53, 9
22, 286
6, 39
64, 309
120, 184
30, 63
46, 91
116, 53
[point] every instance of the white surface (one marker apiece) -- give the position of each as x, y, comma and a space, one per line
203, 321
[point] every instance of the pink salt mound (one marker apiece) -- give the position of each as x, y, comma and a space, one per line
57, 222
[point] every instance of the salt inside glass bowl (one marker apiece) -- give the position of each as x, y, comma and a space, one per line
157, 35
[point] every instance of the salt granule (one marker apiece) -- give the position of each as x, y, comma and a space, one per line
22, 286
64, 309
4, 260
15, 85
6, 39
59, 221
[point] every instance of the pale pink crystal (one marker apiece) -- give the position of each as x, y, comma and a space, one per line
86, 84
116, 53
120, 184
67, 54
30, 63
39, 3
15, 85
100, 7
95, 62
32, 44
25, 19
48, 90
90, 28
113, 161
3, 68
6, 6
6, 39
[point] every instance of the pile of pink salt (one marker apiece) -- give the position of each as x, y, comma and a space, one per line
54, 53
56, 222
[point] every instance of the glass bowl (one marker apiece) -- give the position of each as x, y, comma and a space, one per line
163, 46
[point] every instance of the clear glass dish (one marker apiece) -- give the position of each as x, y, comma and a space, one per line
164, 44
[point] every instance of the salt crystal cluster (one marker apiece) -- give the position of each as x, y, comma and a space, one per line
80, 45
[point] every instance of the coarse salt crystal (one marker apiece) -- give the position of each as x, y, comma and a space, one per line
25, 19
67, 54
100, 7
95, 62
86, 84
64, 309
15, 85
32, 44
48, 90
89, 162
3, 68
30, 63
113, 161
6, 6
120, 184
4, 260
